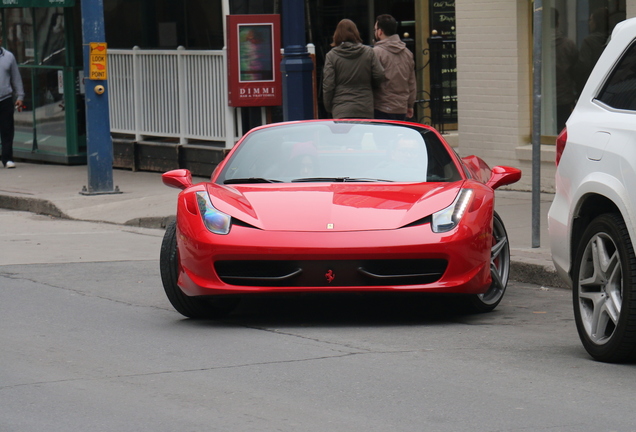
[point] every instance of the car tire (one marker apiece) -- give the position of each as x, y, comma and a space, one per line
499, 270
191, 307
604, 290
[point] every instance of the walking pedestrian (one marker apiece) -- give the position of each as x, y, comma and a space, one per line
350, 73
395, 97
10, 84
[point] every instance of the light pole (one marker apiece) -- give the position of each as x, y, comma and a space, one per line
536, 123
296, 66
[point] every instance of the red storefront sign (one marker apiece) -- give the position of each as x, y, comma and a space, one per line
254, 77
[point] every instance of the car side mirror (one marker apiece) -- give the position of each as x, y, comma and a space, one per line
179, 178
503, 175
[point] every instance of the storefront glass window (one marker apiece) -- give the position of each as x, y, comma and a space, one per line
50, 112
19, 39
50, 36
41, 125
194, 24
574, 35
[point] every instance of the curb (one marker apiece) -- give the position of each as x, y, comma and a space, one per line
536, 274
151, 222
47, 208
33, 205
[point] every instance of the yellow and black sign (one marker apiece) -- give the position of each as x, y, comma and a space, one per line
97, 54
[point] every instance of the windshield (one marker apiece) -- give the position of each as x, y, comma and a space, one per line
340, 151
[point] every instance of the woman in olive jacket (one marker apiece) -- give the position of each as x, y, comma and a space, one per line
350, 74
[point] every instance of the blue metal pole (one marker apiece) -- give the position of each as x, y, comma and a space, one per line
98, 140
296, 66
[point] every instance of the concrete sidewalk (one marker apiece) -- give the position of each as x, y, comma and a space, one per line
144, 201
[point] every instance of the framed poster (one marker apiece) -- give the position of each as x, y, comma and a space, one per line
254, 57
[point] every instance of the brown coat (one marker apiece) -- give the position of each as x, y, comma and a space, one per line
350, 73
397, 93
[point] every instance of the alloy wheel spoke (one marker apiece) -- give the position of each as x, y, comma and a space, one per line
596, 278
497, 267
496, 278
495, 251
599, 322
612, 309
603, 259
601, 265
596, 318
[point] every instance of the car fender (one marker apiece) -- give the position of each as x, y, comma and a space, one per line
608, 186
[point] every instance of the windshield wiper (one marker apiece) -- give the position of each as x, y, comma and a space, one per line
337, 179
250, 180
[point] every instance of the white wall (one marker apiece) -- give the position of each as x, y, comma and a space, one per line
494, 56
630, 8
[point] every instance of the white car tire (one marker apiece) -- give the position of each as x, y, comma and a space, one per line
604, 290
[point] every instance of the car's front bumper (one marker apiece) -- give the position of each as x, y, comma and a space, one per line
211, 264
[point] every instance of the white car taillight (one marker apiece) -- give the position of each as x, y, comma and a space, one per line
560, 144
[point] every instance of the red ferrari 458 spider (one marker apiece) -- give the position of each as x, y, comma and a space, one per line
337, 205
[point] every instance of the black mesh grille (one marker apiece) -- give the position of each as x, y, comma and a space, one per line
331, 273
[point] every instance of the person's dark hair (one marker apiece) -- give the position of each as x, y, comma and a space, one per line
600, 17
387, 24
346, 31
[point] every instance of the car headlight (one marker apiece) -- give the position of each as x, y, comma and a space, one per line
214, 220
448, 218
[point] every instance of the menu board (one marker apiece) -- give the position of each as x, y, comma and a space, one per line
444, 62
442, 15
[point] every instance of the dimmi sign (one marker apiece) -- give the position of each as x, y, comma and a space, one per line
254, 77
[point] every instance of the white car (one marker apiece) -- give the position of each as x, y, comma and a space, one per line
592, 220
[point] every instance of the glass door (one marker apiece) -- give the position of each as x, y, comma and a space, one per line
50, 127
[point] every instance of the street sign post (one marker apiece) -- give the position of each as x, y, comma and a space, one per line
99, 143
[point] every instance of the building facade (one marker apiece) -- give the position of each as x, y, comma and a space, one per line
494, 76
486, 78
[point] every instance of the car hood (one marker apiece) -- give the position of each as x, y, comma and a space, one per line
332, 206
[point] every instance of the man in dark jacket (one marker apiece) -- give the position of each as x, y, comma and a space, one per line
395, 97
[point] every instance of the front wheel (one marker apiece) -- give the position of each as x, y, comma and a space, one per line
603, 290
499, 269
191, 307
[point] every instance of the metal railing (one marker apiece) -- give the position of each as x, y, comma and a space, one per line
170, 93
441, 100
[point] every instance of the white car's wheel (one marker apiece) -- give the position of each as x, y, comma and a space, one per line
604, 284
499, 269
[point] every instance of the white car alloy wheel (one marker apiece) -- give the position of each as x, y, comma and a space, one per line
605, 278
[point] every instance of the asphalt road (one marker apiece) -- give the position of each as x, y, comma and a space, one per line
90, 343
